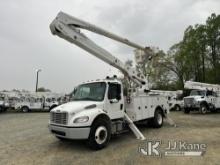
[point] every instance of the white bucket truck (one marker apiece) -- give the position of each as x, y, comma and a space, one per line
203, 97
99, 108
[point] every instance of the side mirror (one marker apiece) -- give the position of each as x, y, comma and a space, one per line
113, 101
74, 91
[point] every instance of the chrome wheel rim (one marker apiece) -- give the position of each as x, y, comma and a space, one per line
101, 135
203, 110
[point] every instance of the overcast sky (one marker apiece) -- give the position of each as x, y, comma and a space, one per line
26, 43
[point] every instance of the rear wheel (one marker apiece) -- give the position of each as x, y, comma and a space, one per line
100, 134
25, 109
157, 121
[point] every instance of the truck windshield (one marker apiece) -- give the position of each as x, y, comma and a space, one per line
90, 91
197, 93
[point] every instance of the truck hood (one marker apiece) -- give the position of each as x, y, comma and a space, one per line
196, 97
77, 106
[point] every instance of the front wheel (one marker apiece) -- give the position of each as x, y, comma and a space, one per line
99, 135
177, 108
186, 110
157, 121
203, 109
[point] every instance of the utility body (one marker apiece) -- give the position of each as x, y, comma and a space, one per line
100, 108
175, 99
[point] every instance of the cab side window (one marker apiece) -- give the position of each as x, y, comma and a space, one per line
209, 93
114, 91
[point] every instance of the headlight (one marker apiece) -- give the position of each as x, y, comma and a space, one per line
196, 101
82, 119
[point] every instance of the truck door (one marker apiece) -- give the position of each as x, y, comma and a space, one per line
211, 98
115, 101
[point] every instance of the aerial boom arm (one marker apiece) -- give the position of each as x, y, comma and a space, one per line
66, 27
201, 86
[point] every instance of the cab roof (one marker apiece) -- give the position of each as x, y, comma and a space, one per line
113, 80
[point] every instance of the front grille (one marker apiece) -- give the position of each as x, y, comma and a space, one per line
188, 101
59, 117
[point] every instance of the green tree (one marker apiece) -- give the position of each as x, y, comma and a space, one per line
213, 45
42, 89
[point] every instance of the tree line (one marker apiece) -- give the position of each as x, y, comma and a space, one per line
196, 57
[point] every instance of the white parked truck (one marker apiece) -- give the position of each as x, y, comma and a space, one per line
175, 99
203, 97
28, 104
100, 109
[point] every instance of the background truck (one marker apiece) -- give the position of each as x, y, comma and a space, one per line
27, 104
4, 103
203, 97
100, 108
175, 98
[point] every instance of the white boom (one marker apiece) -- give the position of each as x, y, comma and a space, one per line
201, 86
67, 27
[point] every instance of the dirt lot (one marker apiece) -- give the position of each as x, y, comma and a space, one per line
25, 140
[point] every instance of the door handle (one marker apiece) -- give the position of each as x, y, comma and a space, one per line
121, 106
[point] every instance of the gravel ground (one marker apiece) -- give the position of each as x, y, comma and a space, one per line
25, 140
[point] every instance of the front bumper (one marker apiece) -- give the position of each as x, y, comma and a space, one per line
192, 106
70, 132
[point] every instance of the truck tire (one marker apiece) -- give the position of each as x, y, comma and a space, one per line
25, 109
203, 109
186, 110
157, 121
99, 134
177, 108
